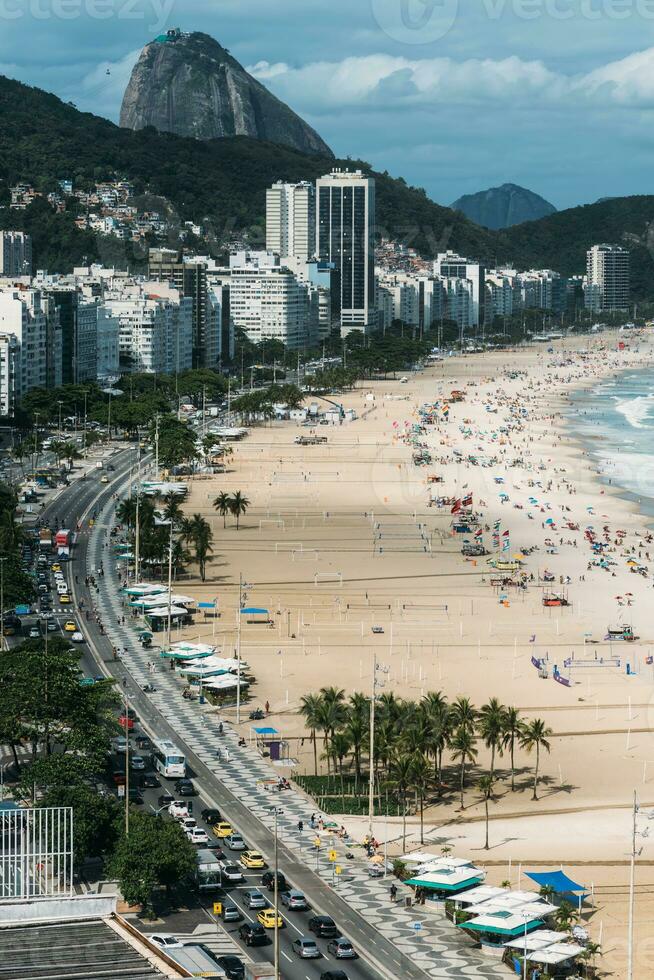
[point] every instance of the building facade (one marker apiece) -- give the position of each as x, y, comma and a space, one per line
15, 254
268, 302
291, 220
607, 278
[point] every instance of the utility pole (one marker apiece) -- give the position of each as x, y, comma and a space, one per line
126, 710
371, 766
156, 444
238, 648
2, 603
170, 580
276, 899
137, 528
632, 876
204, 411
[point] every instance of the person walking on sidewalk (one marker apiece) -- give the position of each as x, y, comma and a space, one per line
393, 892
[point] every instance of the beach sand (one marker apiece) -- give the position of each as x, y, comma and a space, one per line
340, 538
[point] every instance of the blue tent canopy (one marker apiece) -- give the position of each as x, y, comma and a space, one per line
557, 880
266, 731
253, 611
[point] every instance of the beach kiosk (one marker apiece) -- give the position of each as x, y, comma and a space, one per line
445, 877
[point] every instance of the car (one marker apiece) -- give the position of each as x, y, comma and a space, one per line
230, 872
222, 829
137, 763
64, 600
187, 823
341, 949
178, 810
52, 626
306, 949
58, 576
56, 567
333, 975
104, 479
149, 780
127, 719
211, 816
251, 859
323, 925
253, 934
268, 881
77, 637
165, 799
235, 842
119, 745
34, 633
294, 900
164, 940
135, 795
184, 787
267, 919
143, 743
233, 967
231, 912
254, 899
44, 589
70, 626
198, 835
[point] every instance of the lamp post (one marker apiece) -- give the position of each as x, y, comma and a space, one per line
376, 668
60, 403
524, 951
276, 812
126, 713
632, 877
242, 596
2, 602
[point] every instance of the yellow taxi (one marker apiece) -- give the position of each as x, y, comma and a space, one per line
56, 567
70, 626
267, 919
64, 600
222, 829
252, 859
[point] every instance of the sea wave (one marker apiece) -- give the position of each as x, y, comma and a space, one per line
636, 410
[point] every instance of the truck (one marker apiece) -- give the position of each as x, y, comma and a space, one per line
207, 874
45, 539
63, 542
259, 971
310, 440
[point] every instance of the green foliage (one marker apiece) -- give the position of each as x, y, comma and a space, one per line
96, 819
155, 853
177, 441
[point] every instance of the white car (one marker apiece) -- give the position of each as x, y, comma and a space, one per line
164, 940
230, 872
188, 823
178, 810
197, 835
77, 637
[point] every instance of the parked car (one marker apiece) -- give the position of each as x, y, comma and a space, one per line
268, 881
164, 940
341, 949
254, 899
253, 934
294, 900
306, 949
323, 925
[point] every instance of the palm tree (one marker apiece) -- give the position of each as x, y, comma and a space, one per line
222, 505
513, 730
591, 951
463, 751
400, 779
339, 748
331, 714
464, 714
310, 711
440, 723
565, 916
536, 735
491, 729
197, 531
238, 505
485, 786
71, 453
421, 777
357, 729
126, 511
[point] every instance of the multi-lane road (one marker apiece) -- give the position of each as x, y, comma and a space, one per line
378, 957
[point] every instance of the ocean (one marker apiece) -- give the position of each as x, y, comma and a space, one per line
614, 420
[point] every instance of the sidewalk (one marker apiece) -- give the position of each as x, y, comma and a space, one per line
428, 940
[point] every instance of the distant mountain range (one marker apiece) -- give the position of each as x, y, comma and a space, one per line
502, 207
190, 85
224, 181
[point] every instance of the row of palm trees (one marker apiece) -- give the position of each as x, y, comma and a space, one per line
235, 504
412, 740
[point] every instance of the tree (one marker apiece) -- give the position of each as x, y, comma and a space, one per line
238, 505
155, 853
464, 714
512, 732
491, 728
197, 531
223, 506
310, 705
463, 751
96, 820
485, 787
421, 778
536, 736
339, 747
400, 779
565, 916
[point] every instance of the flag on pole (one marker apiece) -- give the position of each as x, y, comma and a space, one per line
456, 507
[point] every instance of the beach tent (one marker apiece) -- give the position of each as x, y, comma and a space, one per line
503, 924
560, 882
447, 879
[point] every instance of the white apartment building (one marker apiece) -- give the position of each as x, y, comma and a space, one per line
459, 302
155, 332
345, 229
9, 373
22, 314
607, 278
449, 265
291, 220
107, 344
267, 301
499, 295
15, 254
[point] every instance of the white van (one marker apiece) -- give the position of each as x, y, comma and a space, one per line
62, 588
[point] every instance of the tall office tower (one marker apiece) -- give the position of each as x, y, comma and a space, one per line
449, 265
291, 220
607, 278
189, 277
345, 231
15, 254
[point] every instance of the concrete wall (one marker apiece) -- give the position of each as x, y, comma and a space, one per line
56, 909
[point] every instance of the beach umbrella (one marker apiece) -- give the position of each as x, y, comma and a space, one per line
518, 556
549, 521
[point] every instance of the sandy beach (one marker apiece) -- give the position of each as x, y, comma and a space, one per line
341, 537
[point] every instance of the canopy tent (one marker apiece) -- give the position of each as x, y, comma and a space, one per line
480, 894
557, 880
162, 612
188, 651
501, 924
447, 879
145, 588
556, 954
540, 939
533, 908
226, 683
424, 858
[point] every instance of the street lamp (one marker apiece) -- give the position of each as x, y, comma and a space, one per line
242, 596
525, 916
276, 813
376, 669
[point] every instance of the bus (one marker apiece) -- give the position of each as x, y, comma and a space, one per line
168, 760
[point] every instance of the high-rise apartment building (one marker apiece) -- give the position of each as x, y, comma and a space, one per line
449, 265
23, 313
268, 302
291, 220
345, 228
607, 278
15, 254
189, 277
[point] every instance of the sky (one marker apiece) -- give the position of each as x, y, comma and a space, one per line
453, 95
